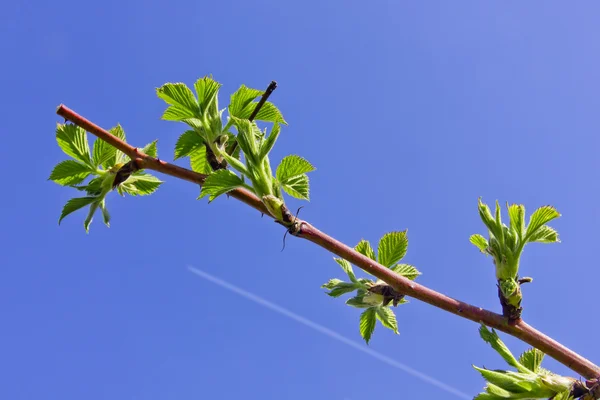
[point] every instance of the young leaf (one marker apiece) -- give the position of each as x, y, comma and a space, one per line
150, 149
480, 242
492, 338
70, 172
364, 248
269, 142
406, 270
183, 104
357, 302
102, 153
540, 217
516, 214
386, 316
240, 100
220, 182
292, 167
368, 319
75, 204
347, 267
93, 207
73, 141
331, 283
544, 234
141, 184
207, 90
488, 219
269, 113
566, 395
187, 143
297, 187
198, 160
118, 155
392, 248
532, 359
338, 288
105, 214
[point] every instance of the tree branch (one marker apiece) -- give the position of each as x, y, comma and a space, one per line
518, 329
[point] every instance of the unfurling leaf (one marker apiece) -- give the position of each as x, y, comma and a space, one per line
544, 234
220, 182
492, 338
183, 104
532, 359
338, 287
516, 213
539, 218
207, 90
480, 242
392, 248
364, 248
347, 267
368, 319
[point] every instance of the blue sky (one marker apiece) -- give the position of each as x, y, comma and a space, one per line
409, 111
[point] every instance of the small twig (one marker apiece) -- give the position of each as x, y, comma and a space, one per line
520, 329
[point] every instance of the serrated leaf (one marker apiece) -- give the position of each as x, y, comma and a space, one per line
544, 234
141, 184
88, 220
516, 213
73, 142
539, 218
183, 104
532, 359
510, 382
102, 153
219, 183
488, 220
347, 267
207, 90
105, 214
386, 316
198, 161
406, 270
150, 149
292, 167
338, 288
392, 248
364, 248
118, 155
297, 187
357, 302
70, 172
492, 338
269, 142
368, 319
241, 99
480, 242
187, 143
75, 204
269, 113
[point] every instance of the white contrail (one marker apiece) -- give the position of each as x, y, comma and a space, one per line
329, 332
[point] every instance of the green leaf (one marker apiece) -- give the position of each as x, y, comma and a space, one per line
183, 104
118, 155
516, 213
207, 90
364, 248
347, 267
198, 160
532, 359
70, 172
566, 395
269, 142
73, 141
539, 218
141, 184
297, 187
492, 338
269, 113
292, 167
331, 283
150, 149
488, 220
93, 207
338, 288
102, 153
407, 271
506, 381
544, 234
105, 214
480, 242
386, 316
368, 319
392, 248
241, 99
220, 182
187, 143
358, 302
75, 204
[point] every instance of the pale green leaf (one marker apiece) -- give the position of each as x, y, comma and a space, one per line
368, 319
347, 267
198, 160
297, 187
102, 154
187, 143
269, 113
150, 149
291, 167
330, 284
338, 288
358, 302
539, 218
488, 220
105, 214
392, 248
88, 220
544, 234
532, 359
241, 99
269, 142
141, 184
118, 156
480, 242
364, 248
406, 270
506, 381
73, 141
566, 395
219, 183
183, 104
492, 338
207, 90
75, 204
386, 316
516, 213
70, 172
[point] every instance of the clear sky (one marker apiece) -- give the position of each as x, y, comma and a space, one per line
409, 110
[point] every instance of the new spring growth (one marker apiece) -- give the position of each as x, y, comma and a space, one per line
505, 244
